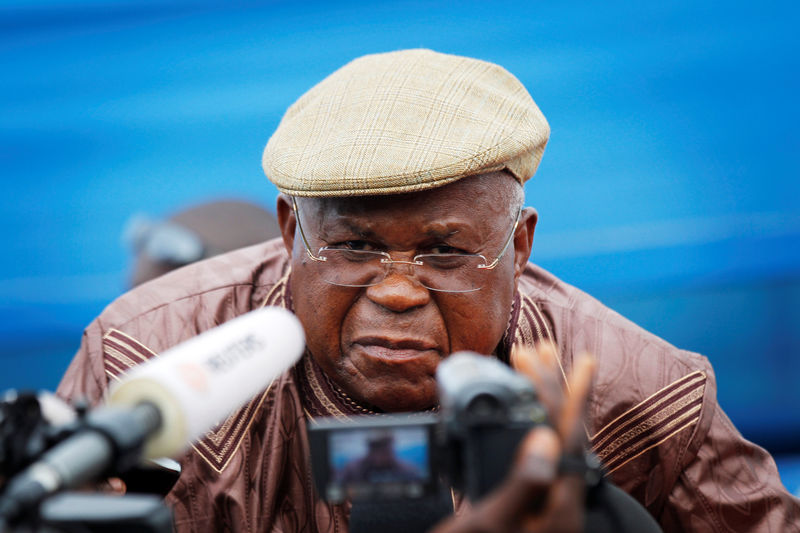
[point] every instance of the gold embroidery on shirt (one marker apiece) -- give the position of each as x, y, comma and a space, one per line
524, 333
280, 289
641, 427
120, 357
550, 338
317, 389
641, 407
217, 434
650, 413
640, 452
224, 456
115, 360
113, 376
112, 366
649, 423
132, 344
693, 413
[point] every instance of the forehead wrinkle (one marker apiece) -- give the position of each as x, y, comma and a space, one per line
334, 224
328, 232
438, 232
439, 229
442, 234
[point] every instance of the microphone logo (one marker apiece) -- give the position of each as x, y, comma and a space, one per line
232, 354
193, 376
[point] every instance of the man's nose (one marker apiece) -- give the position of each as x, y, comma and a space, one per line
399, 293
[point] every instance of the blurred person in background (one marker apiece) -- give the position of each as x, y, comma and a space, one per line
195, 233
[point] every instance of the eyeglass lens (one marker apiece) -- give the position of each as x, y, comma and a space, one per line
443, 272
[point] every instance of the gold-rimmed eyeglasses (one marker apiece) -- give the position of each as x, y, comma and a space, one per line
444, 272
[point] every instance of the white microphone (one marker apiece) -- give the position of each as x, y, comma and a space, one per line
165, 404
198, 383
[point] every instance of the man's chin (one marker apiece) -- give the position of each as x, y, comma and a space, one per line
407, 385
408, 407
399, 400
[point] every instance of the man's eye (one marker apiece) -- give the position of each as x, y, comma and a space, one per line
355, 245
445, 249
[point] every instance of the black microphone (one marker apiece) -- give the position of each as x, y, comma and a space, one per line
110, 440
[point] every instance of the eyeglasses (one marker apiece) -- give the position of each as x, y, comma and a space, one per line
445, 272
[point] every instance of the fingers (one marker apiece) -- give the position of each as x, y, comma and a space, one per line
573, 413
564, 510
555, 501
541, 367
116, 485
112, 485
566, 411
536, 497
537, 459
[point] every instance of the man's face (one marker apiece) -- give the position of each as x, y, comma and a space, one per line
381, 344
382, 455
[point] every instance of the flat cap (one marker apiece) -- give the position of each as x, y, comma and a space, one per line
402, 122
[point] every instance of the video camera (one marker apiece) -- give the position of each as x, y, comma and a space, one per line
485, 410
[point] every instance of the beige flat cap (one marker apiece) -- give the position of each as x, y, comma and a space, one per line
402, 122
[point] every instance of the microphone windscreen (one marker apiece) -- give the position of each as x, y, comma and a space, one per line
198, 383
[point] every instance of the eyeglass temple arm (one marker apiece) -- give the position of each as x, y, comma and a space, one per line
303, 234
494, 263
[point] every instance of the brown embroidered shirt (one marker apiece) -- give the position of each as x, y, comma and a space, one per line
653, 417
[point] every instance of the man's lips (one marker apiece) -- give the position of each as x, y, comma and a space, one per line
396, 349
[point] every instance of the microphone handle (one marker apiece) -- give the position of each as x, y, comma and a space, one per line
110, 442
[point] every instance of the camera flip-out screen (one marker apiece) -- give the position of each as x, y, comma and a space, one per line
384, 457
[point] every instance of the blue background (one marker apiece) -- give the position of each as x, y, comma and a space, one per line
669, 189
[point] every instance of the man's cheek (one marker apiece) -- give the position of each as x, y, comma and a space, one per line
320, 314
469, 327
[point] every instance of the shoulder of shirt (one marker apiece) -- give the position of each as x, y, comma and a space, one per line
566, 306
648, 395
166, 311
236, 279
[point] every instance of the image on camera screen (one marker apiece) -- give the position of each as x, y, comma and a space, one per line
379, 461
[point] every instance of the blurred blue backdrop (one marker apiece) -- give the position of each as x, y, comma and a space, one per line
669, 189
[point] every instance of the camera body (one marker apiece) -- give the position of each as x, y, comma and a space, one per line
485, 410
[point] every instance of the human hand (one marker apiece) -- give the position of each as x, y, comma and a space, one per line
112, 485
536, 497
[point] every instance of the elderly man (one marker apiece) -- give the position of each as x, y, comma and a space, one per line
405, 239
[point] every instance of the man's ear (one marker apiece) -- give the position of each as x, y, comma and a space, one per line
286, 222
523, 240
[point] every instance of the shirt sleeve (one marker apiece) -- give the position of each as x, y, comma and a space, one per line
85, 378
729, 485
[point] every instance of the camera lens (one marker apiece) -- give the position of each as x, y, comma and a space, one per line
484, 406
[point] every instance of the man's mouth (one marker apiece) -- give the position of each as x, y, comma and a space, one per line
389, 349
